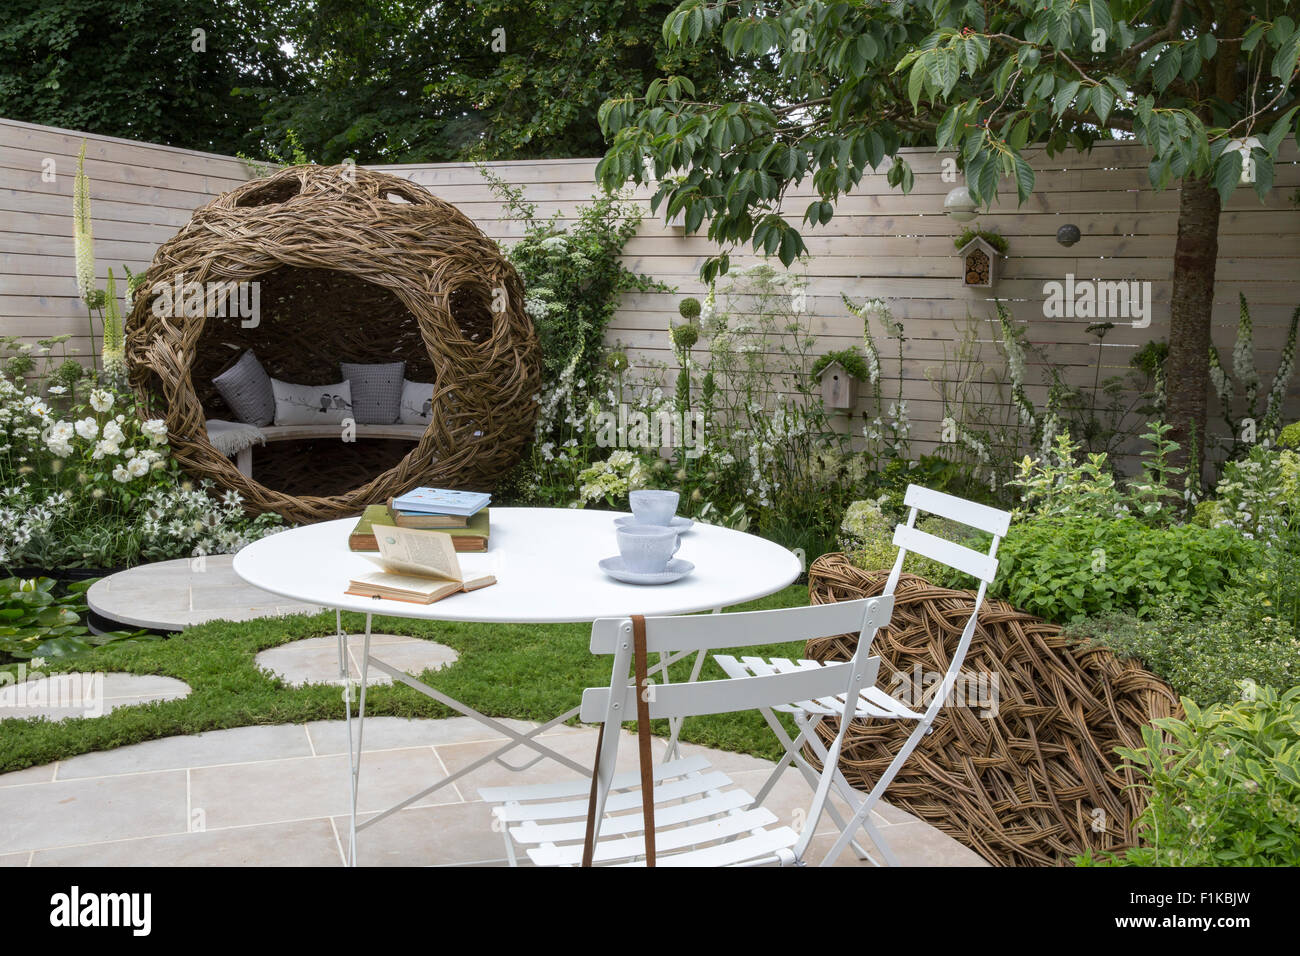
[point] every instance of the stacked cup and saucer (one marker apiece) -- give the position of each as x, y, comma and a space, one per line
648, 539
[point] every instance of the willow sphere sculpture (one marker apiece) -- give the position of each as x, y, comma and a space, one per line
351, 266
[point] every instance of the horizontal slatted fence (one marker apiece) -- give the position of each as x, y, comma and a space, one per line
880, 244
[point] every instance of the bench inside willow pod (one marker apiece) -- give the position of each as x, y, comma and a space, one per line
353, 266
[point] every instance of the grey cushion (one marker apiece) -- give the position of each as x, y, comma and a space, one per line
311, 404
376, 391
417, 399
246, 388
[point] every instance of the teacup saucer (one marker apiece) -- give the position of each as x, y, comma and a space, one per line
675, 570
679, 524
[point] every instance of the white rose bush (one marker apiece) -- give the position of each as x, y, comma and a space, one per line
91, 483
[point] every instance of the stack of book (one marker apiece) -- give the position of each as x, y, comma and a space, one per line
461, 514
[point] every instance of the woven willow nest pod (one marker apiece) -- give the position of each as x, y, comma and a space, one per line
352, 266
1026, 774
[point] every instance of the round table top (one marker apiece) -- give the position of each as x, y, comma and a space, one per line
544, 560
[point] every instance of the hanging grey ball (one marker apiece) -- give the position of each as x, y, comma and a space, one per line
1068, 234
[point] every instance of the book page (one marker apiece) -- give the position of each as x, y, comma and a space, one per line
411, 551
387, 581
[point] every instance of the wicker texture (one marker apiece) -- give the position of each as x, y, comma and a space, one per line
1020, 788
353, 266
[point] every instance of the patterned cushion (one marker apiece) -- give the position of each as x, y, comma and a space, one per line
417, 403
376, 391
246, 388
311, 404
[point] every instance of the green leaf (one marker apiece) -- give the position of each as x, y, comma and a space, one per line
915, 84
1019, 135
988, 180
1284, 61
1103, 99
1100, 19
947, 128
1278, 133
1002, 75
1150, 57
1166, 67
1065, 96
1263, 174
1024, 174
1227, 174
945, 70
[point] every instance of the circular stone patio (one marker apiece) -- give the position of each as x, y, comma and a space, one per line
278, 796
315, 660
174, 595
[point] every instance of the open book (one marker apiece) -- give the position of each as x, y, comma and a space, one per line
417, 566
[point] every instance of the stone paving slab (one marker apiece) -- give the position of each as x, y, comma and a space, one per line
174, 595
41, 815
212, 748
279, 795
315, 660
297, 843
61, 696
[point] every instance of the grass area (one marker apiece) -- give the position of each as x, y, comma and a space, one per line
532, 672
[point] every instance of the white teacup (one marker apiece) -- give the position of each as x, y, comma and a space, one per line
647, 549
653, 507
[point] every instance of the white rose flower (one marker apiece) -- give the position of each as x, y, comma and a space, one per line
105, 448
121, 474
137, 467
87, 428
101, 400
113, 432
156, 430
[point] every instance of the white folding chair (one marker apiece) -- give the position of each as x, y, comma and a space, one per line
700, 817
871, 701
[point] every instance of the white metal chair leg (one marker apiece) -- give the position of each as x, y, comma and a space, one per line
793, 758
861, 816
675, 724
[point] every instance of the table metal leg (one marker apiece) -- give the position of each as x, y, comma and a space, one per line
354, 751
515, 739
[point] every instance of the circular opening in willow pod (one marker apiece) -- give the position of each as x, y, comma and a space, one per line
274, 191
308, 321
470, 304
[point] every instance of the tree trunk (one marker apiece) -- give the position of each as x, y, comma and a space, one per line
1187, 370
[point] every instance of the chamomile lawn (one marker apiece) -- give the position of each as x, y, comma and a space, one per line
530, 672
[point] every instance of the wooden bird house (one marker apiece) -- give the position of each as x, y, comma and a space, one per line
838, 386
978, 263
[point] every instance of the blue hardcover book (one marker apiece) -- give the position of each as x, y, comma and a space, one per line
442, 501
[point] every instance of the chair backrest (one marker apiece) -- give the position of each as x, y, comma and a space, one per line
708, 632
982, 566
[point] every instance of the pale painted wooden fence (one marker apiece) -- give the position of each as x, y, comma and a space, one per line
880, 244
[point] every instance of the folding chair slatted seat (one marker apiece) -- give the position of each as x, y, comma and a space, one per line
872, 702
701, 817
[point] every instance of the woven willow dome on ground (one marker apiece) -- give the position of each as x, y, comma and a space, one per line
1030, 781
353, 266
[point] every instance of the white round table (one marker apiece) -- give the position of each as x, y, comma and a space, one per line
544, 560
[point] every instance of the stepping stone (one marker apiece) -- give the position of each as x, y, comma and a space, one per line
61, 696
174, 595
315, 660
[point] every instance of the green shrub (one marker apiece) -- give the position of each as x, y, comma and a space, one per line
1204, 655
1063, 568
867, 537
1224, 788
